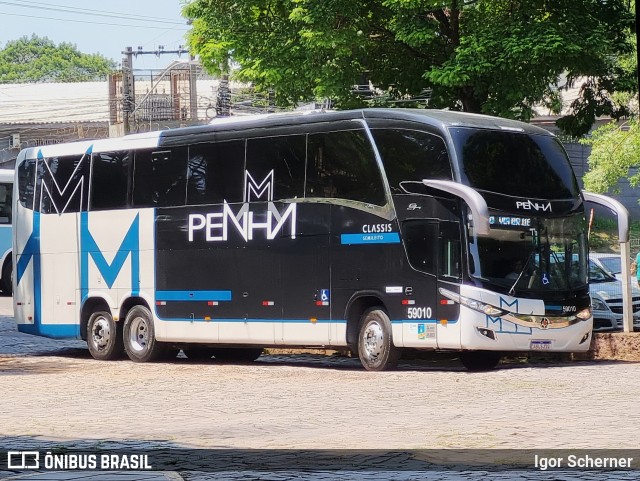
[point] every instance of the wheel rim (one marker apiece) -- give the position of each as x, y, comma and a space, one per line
101, 334
373, 341
139, 334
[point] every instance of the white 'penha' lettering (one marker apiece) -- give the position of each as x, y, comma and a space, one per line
529, 205
215, 226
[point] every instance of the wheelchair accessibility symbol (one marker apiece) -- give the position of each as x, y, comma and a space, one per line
324, 295
545, 279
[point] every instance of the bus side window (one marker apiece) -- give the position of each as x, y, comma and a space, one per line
63, 184
342, 165
109, 180
449, 258
5, 203
215, 172
159, 178
285, 156
418, 237
411, 155
26, 182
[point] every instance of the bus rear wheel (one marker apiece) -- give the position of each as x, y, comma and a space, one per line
104, 337
237, 354
375, 341
139, 337
480, 360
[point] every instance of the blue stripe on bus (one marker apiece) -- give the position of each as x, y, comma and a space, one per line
193, 295
54, 331
386, 238
423, 321
243, 320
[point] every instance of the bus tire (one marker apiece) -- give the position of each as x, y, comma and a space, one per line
375, 341
7, 277
198, 352
237, 354
104, 337
139, 337
480, 360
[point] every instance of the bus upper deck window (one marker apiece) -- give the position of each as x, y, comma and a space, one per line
159, 178
411, 155
342, 165
215, 172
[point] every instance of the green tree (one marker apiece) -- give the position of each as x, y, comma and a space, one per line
615, 154
38, 59
490, 56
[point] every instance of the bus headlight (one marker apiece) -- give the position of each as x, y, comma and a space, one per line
584, 314
472, 303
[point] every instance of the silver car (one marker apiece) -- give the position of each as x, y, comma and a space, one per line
604, 319
607, 261
604, 286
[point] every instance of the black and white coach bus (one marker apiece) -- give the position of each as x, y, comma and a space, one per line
375, 229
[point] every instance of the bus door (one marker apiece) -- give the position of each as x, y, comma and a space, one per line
419, 303
449, 275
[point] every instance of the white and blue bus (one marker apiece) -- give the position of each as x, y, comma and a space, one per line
374, 230
6, 204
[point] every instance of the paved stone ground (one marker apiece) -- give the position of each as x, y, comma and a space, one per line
54, 394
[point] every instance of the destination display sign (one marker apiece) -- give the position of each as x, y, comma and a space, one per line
510, 221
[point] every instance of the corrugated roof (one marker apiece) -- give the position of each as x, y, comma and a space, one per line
54, 102
76, 102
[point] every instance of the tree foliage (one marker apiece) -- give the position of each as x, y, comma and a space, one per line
490, 56
614, 155
38, 59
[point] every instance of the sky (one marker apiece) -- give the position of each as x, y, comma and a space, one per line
105, 27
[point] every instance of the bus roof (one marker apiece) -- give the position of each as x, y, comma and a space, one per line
442, 119
439, 119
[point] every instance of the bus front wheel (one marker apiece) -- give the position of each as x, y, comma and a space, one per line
139, 336
104, 337
480, 360
375, 341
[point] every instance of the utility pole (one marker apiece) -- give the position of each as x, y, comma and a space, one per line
193, 98
128, 92
223, 98
128, 85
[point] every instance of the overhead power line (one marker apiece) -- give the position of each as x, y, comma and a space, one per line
87, 11
89, 21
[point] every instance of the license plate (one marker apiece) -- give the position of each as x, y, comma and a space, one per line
541, 345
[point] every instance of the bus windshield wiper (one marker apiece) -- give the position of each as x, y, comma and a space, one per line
512, 290
563, 268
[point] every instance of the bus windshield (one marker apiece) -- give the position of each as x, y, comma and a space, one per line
531, 254
513, 163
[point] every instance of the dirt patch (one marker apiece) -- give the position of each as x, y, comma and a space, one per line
619, 346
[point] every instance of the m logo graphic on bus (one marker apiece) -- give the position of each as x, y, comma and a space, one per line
58, 194
215, 226
89, 249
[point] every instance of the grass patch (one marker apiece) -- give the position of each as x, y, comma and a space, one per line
603, 236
